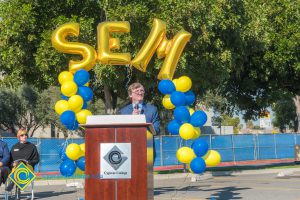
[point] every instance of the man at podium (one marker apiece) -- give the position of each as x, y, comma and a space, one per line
136, 93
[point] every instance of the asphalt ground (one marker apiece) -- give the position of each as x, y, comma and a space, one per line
248, 185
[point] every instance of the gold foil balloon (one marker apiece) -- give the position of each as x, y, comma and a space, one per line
65, 76
69, 88
155, 37
61, 106
60, 43
106, 43
173, 54
82, 115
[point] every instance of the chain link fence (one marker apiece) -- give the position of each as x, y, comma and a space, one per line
247, 147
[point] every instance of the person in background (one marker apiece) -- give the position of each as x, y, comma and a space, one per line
23, 150
136, 94
4, 162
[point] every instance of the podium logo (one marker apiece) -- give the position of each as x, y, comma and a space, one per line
115, 158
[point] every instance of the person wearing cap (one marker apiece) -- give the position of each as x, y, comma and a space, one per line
4, 162
23, 150
136, 94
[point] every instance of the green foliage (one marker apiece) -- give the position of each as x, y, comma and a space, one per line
285, 114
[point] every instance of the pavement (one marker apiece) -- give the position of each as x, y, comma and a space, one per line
262, 184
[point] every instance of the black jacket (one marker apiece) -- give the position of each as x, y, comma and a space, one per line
26, 151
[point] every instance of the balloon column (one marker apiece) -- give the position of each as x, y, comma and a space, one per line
73, 160
187, 123
75, 95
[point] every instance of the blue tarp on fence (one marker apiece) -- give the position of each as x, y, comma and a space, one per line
231, 147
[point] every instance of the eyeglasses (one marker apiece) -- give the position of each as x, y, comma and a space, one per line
24, 135
138, 91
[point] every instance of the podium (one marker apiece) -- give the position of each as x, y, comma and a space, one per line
119, 158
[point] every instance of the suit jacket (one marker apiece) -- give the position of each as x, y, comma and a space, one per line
150, 111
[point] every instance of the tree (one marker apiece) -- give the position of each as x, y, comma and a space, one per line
249, 124
285, 114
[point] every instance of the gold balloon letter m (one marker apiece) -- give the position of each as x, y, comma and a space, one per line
157, 41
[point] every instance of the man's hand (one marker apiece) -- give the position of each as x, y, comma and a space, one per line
1, 164
14, 164
135, 112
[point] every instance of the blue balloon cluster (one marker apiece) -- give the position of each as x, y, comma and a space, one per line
182, 101
68, 117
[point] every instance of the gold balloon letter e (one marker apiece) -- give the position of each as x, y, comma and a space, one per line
106, 43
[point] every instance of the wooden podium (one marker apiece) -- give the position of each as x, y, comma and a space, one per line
126, 161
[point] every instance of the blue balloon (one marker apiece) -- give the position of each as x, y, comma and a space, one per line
81, 77
67, 168
84, 105
189, 97
81, 163
198, 118
68, 118
182, 114
85, 92
178, 98
64, 97
198, 165
173, 127
200, 147
73, 126
166, 86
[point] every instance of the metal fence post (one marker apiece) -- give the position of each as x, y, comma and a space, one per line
257, 146
233, 148
161, 151
275, 143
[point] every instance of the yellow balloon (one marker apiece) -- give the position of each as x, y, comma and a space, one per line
87, 84
191, 110
105, 43
149, 156
73, 151
78, 171
173, 53
87, 52
82, 147
186, 131
82, 115
167, 102
175, 82
184, 84
197, 133
69, 88
61, 106
64, 77
153, 41
212, 158
185, 154
75, 103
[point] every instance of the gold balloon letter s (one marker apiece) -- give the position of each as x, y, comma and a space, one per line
60, 43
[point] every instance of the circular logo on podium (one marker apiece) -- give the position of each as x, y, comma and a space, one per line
115, 157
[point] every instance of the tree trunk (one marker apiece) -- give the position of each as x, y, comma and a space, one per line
297, 105
110, 101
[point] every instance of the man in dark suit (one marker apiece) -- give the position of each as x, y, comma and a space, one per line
136, 93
